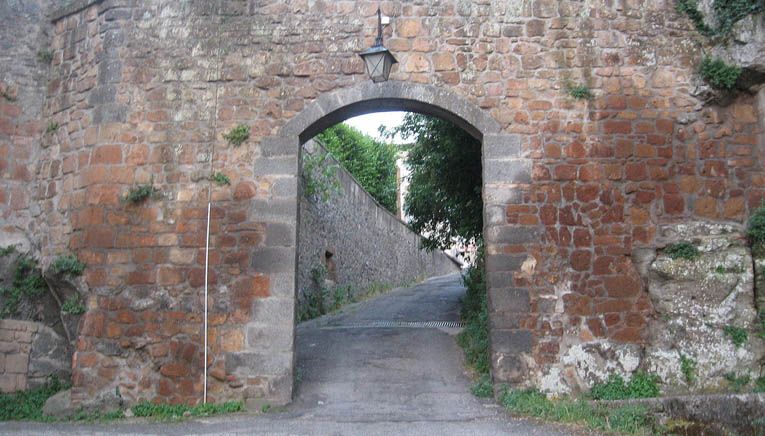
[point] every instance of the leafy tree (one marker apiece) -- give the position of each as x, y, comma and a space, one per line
371, 162
444, 198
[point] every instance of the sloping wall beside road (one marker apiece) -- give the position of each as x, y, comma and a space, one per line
359, 242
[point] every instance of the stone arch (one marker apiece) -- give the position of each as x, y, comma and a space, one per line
505, 173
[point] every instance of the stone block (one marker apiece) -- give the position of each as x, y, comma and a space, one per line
280, 235
16, 363
515, 171
511, 342
273, 259
497, 146
269, 364
504, 262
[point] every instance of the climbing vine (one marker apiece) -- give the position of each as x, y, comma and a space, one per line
726, 13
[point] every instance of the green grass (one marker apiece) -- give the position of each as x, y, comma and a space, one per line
641, 385
474, 338
237, 135
682, 250
737, 335
755, 232
68, 265
164, 411
625, 419
483, 388
27, 405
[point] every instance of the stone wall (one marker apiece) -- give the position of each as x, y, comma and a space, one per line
30, 352
144, 91
24, 35
366, 243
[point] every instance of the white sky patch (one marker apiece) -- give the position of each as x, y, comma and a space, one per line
369, 123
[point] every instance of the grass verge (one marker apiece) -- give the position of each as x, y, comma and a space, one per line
474, 338
630, 419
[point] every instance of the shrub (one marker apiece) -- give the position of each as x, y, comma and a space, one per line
682, 250
238, 135
641, 385
68, 265
7, 251
45, 56
719, 74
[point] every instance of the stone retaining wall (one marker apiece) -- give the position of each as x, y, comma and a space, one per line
29, 353
359, 242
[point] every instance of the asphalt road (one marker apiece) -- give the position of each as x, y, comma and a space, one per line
375, 368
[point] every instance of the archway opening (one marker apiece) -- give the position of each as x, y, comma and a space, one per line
375, 247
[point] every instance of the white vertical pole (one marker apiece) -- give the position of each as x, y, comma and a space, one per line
207, 257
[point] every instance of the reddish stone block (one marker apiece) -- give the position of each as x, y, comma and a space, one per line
175, 370
622, 286
617, 127
580, 260
636, 171
674, 204
565, 172
106, 154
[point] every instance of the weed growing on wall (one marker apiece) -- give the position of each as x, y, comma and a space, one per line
682, 250
718, 73
45, 56
140, 193
641, 385
27, 284
238, 135
726, 13
736, 382
220, 179
68, 265
737, 335
7, 95
73, 306
579, 92
52, 127
688, 368
319, 176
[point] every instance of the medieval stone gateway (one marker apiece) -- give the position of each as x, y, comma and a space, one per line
578, 193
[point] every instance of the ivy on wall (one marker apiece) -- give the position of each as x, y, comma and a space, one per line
725, 14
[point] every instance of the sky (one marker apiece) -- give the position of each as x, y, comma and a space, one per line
370, 122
